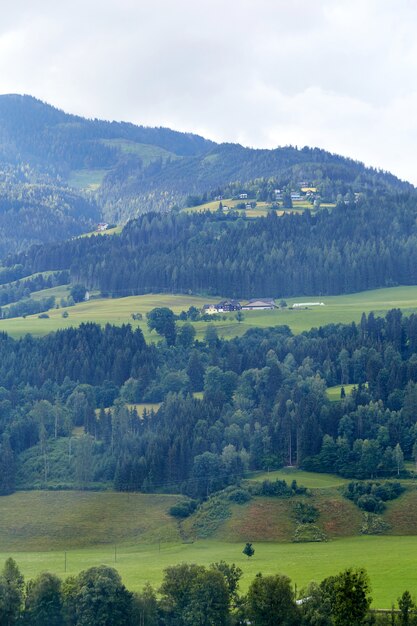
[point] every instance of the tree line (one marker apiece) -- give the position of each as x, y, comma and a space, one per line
262, 403
364, 244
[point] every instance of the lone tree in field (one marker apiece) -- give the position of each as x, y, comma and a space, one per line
248, 550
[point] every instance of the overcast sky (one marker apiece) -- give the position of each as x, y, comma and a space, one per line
338, 74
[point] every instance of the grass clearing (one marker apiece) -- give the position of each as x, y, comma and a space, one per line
148, 153
338, 309
88, 180
333, 393
311, 480
390, 561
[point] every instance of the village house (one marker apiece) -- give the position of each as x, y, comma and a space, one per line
225, 306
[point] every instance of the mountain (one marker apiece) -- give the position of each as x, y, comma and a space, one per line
68, 172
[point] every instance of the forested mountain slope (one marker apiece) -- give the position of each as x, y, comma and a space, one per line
71, 172
359, 245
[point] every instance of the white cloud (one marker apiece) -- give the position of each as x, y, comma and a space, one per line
330, 73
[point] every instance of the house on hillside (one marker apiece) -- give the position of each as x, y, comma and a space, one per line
102, 227
225, 306
243, 196
260, 305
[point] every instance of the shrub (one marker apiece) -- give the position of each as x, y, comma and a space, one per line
240, 496
305, 513
305, 533
43, 316
370, 503
183, 509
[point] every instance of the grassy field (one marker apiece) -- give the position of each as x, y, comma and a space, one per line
390, 561
135, 533
147, 153
311, 480
48, 520
343, 309
261, 209
89, 180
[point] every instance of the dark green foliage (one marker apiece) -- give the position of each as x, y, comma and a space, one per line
205, 253
305, 513
78, 292
192, 594
183, 509
95, 597
370, 496
11, 594
277, 488
162, 320
271, 601
240, 496
248, 550
44, 601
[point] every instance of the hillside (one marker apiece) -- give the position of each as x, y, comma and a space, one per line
68, 172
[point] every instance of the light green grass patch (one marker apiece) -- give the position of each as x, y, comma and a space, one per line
338, 309
390, 561
146, 152
333, 393
311, 480
89, 180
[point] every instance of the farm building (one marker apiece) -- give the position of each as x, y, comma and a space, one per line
305, 305
222, 307
260, 305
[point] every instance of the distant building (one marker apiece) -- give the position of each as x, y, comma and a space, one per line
243, 196
260, 305
101, 227
305, 305
295, 195
308, 190
225, 306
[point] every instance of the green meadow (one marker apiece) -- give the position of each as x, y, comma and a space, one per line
311, 480
337, 309
67, 531
390, 561
261, 210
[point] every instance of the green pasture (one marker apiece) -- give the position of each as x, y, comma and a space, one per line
337, 309
60, 520
390, 561
261, 209
311, 480
89, 180
146, 152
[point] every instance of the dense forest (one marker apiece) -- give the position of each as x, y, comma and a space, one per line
361, 244
193, 595
60, 174
263, 405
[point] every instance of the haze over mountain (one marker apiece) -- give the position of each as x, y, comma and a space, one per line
60, 174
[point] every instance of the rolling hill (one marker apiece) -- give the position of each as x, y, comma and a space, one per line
60, 173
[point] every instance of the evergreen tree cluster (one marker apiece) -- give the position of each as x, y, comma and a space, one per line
357, 246
263, 404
